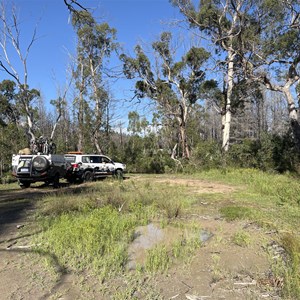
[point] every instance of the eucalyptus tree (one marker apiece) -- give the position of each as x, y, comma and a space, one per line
95, 44
173, 84
12, 120
231, 25
275, 59
10, 39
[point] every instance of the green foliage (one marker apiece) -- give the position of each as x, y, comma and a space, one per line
157, 163
208, 154
241, 238
271, 152
158, 260
141, 155
162, 46
196, 57
95, 44
173, 85
232, 213
244, 155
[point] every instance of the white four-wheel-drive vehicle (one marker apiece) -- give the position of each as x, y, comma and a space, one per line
30, 168
86, 167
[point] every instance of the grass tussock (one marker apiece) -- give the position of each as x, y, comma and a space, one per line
161, 257
232, 213
291, 272
241, 238
96, 240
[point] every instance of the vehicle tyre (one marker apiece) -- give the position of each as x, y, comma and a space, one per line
71, 180
119, 174
56, 180
40, 163
88, 176
24, 184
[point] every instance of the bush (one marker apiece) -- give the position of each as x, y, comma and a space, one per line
244, 155
156, 162
8, 178
271, 152
207, 155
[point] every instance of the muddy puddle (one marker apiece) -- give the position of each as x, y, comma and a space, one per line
151, 235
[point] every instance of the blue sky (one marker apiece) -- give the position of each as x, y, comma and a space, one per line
134, 20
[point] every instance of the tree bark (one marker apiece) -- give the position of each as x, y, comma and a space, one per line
182, 118
226, 119
293, 115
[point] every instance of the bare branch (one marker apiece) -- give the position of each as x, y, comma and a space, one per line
73, 6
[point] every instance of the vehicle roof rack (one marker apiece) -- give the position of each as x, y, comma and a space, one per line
74, 152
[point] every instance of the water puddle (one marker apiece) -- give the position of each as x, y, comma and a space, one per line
147, 237
205, 236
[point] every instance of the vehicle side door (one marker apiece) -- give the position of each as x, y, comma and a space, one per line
108, 165
95, 161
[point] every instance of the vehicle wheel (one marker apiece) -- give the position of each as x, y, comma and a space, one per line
119, 174
40, 163
70, 180
56, 180
24, 184
88, 176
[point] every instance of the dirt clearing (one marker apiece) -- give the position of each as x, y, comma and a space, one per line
233, 261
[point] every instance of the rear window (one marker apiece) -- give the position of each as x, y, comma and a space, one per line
70, 158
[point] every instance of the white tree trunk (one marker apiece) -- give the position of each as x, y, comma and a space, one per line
293, 115
227, 117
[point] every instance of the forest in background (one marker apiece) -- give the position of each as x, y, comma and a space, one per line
231, 102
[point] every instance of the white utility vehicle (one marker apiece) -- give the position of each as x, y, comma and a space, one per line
32, 166
86, 167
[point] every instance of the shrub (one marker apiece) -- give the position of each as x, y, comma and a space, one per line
207, 155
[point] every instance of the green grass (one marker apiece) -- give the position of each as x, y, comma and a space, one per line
92, 227
241, 238
232, 213
96, 240
8, 186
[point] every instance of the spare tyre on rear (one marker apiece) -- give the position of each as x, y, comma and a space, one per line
40, 163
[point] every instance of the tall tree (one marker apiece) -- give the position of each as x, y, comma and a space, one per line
275, 59
173, 85
11, 37
95, 44
231, 25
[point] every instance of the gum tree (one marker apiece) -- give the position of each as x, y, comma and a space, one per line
174, 85
275, 60
231, 25
11, 39
95, 44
